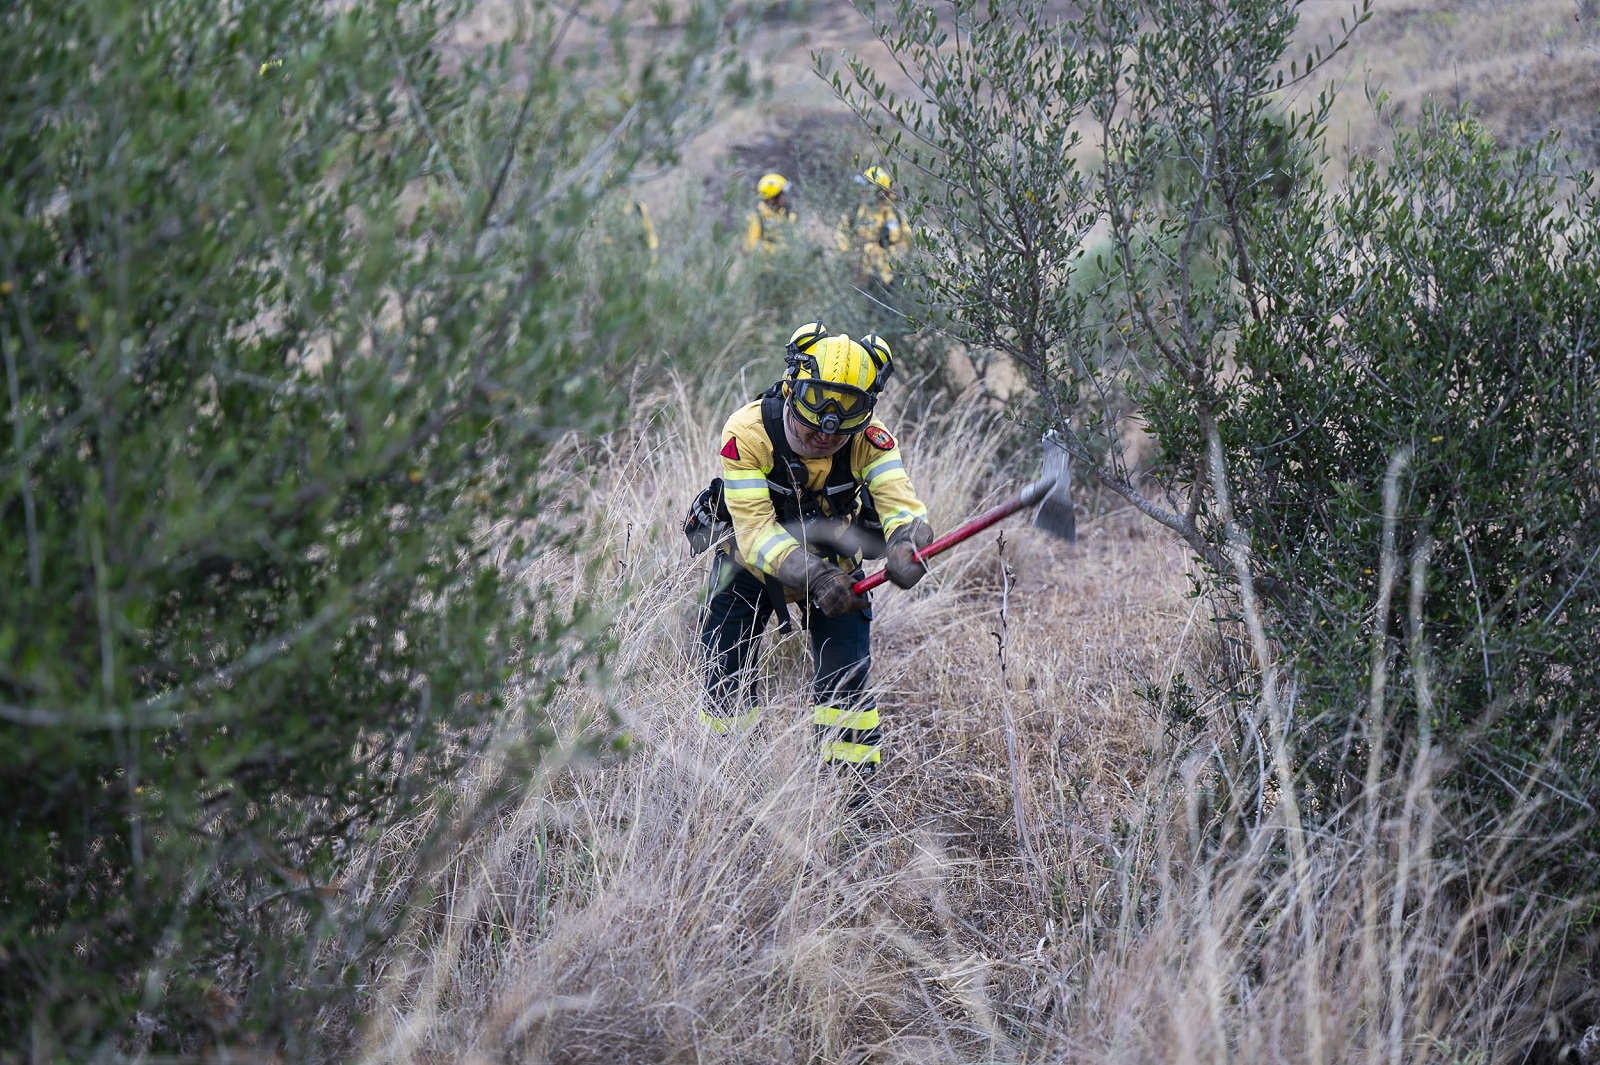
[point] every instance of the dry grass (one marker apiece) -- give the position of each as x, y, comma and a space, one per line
1525, 67
712, 900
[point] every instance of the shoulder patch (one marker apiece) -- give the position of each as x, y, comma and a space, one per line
730, 450
879, 438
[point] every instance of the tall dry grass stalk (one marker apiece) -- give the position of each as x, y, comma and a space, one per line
713, 900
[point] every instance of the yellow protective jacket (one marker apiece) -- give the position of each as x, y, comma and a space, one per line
647, 229
768, 227
879, 236
747, 459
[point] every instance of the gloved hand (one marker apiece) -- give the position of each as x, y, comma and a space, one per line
833, 596
822, 582
903, 568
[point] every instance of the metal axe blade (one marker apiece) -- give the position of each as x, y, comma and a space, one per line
1055, 515
1052, 492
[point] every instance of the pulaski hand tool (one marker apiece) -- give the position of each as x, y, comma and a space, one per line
1052, 492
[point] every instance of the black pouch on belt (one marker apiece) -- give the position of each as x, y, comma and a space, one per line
708, 519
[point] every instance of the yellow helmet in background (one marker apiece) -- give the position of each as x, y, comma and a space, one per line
834, 381
771, 185
874, 175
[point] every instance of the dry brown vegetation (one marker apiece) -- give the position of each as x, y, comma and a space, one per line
712, 900
1526, 67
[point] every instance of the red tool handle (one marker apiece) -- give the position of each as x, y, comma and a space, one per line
953, 537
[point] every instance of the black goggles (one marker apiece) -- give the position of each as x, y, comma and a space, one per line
832, 408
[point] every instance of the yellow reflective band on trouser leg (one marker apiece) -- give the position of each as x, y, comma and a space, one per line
834, 717
854, 753
726, 724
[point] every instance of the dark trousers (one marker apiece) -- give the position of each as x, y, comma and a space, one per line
843, 710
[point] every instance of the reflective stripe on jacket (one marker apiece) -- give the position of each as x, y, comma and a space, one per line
768, 227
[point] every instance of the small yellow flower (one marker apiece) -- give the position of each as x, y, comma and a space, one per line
1436, 439
5, 288
1368, 572
415, 476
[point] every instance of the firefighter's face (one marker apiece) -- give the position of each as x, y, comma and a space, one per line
813, 443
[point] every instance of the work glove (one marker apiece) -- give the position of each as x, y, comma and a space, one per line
820, 581
903, 568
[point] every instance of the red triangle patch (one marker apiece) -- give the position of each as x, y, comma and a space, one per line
730, 450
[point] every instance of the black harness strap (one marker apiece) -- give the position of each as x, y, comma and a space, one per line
883, 229
791, 499
794, 503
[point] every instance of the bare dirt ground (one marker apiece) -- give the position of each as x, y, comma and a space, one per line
1525, 67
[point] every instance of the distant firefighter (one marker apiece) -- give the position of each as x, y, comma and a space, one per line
773, 219
876, 235
647, 229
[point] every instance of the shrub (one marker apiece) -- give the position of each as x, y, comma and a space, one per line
287, 336
1442, 309
1293, 349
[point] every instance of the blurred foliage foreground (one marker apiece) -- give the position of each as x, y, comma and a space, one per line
287, 334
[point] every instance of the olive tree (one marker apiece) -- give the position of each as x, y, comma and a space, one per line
288, 333
1344, 384
1088, 192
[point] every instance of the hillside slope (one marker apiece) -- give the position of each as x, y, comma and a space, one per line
1525, 67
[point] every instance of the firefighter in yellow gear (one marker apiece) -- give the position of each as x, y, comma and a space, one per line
813, 482
647, 229
876, 235
770, 224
